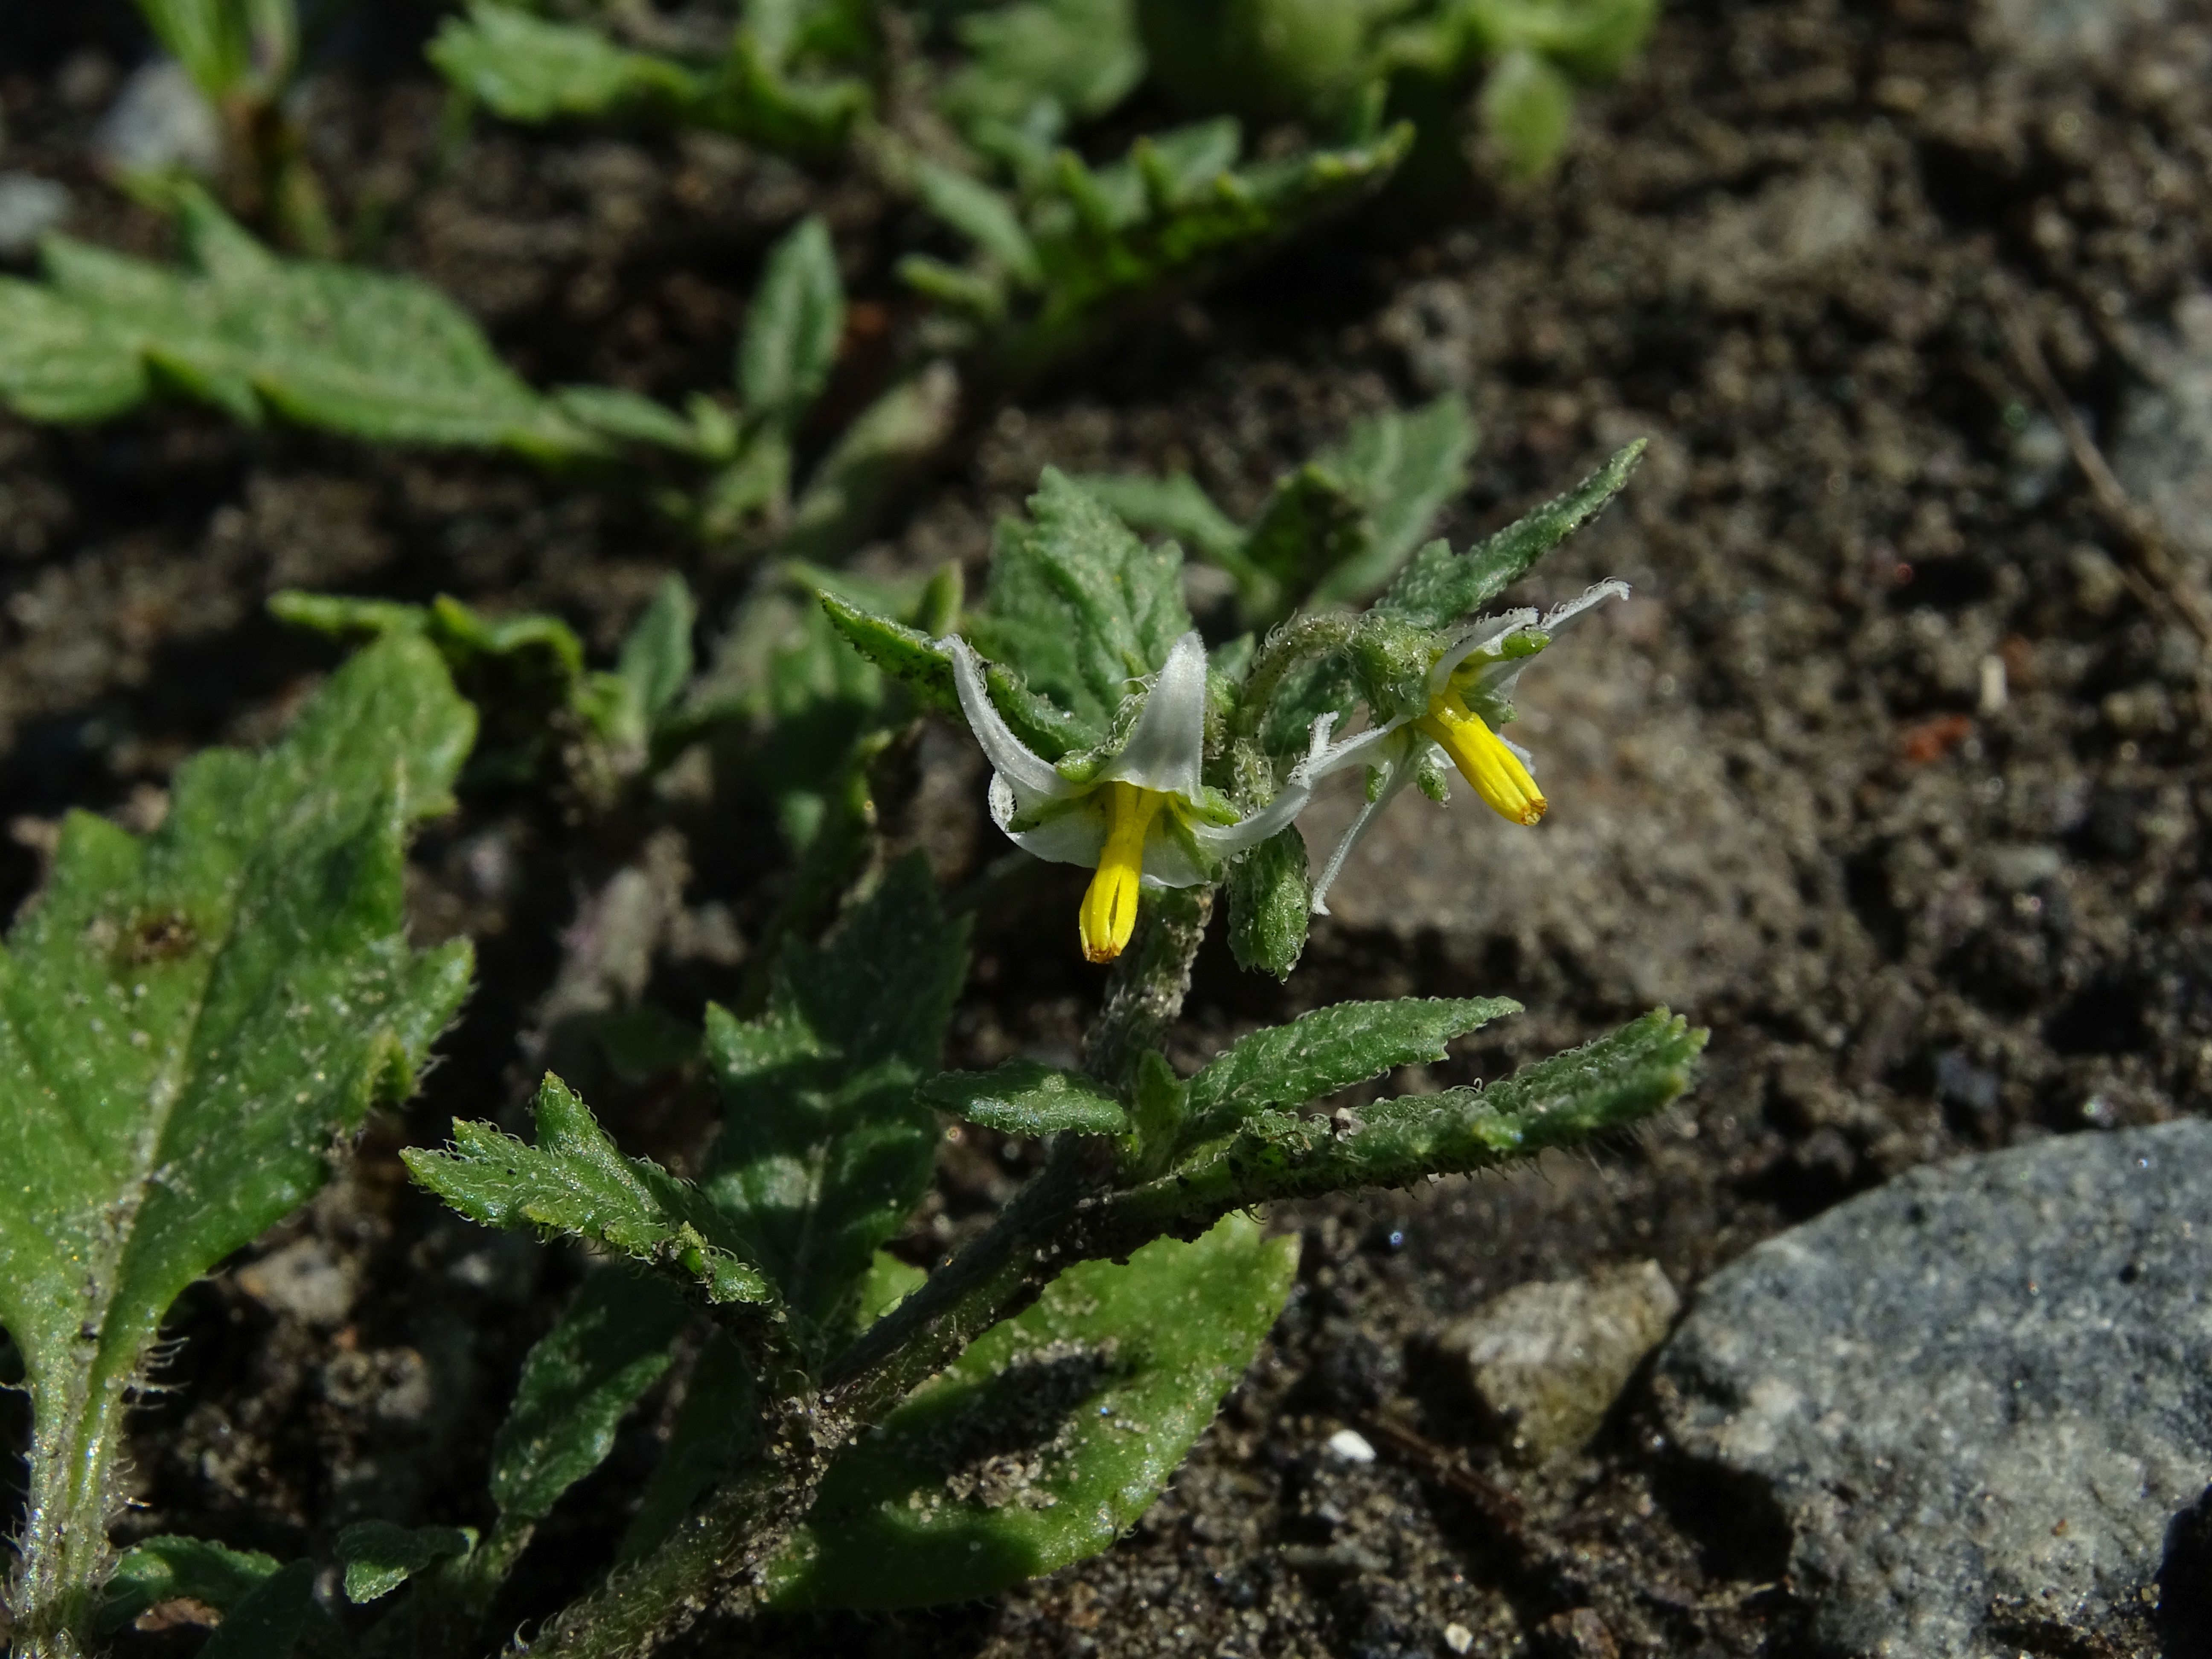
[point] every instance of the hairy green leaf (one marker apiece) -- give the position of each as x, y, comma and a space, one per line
1173, 506
981, 215
577, 1382
1130, 234
157, 1569
1562, 1101
1048, 1437
792, 326
874, 459
529, 68
1527, 110
1328, 1049
269, 1622
184, 1022
228, 47
1077, 605
1028, 1098
825, 1148
655, 663
1267, 904
351, 351
532, 68
1048, 62
1315, 521
575, 1183
1404, 468
380, 1557
1440, 587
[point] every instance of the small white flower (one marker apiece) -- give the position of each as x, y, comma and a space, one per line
1467, 687
1143, 818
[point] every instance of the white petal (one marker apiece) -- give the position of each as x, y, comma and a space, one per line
1168, 862
1498, 680
1030, 775
1225, 841
1165, 750
1077, 836
1560, 615
1402, 766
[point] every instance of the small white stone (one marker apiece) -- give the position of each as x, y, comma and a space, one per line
1458, 1637
1352, 1446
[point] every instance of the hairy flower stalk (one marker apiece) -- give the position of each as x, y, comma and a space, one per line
1137, 813
1469, 688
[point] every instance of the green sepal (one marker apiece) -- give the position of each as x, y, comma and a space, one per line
1028, 1098
163, 1569
380, 1557
1269, 904
1330, 1049
1050, 1436
574, 1183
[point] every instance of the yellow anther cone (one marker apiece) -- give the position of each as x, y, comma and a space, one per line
1491, 770
1109, 916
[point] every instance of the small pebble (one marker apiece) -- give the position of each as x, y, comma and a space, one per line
29, 207
1458, 1637
1352, 1446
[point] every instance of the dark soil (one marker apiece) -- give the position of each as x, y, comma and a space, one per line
1889, 775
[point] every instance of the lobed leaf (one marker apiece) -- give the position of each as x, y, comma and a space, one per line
355, 352
1404, 468
574, 1183
825, 1148
1440, 587
1050, 1436
185, 1021
167, 1567
874, 459
1074, 60
1028, 1098
269, 1622
531, 69
1174, 506
1078, 607
981, 215
1328, 1049
655, 663
380, 1557
1562, 1101
577, 1382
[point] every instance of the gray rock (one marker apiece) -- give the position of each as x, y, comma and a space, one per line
2162, 444
1978, 1395
1547, 1360
301, 1280
29, 207
2062, 34
159, 123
